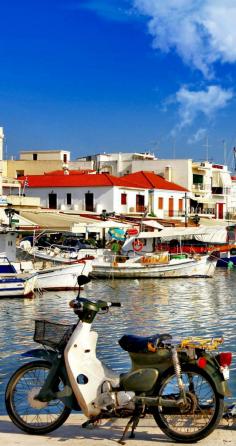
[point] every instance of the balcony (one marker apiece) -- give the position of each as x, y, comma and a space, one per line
201, 187
18, 200
10, 182
217, 191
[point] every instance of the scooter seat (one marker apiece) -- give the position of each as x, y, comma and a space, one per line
142, 344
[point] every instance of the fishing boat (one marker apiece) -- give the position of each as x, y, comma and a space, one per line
62, 277
51, 276
13, 283
153, 265
57, 254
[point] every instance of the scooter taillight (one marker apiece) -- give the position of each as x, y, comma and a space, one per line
225, 359
202, 362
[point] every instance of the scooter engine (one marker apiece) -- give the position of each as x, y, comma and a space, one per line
111, 400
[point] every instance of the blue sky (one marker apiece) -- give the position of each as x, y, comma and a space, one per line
95, 76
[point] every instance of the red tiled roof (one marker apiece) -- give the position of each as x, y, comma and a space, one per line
70, 172
152, 181
86, 180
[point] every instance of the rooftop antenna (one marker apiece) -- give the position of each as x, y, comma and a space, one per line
174, 147
225, 151
207, 148
234, 152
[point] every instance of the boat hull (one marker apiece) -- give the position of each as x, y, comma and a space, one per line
62, 277
17, 286
203, 267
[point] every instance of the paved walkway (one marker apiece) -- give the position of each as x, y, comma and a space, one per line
72, 434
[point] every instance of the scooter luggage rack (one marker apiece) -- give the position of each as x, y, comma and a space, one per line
52, 334
202, 343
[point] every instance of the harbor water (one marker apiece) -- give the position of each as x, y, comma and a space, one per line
182, 307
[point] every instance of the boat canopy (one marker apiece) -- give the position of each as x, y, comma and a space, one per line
205, 234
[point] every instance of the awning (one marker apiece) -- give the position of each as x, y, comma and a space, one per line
214, 234
204, 200
225, 179
153, 224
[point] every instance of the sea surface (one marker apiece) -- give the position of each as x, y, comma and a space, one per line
182, 307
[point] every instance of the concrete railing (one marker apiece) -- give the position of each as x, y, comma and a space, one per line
17, 200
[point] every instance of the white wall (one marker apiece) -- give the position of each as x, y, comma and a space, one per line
131, 199
164, 213
181, 169
108, 198
45, 155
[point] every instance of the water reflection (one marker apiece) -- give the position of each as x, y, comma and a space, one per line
205, 307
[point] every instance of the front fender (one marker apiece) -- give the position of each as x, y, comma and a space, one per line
48, 355
58, 367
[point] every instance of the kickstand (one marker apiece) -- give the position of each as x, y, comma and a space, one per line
93, 421
134, 420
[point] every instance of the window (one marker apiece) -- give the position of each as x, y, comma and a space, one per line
160, 202
35, 156
197, 179
20, 173
65, 158
68, 199
123, 198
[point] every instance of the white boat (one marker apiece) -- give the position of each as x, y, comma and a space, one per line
56, 254
62, 277
56, 277
155, 265
13, 283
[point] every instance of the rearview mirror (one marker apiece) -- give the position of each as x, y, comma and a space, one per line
82, 280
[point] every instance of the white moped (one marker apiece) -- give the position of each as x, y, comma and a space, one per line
181, 383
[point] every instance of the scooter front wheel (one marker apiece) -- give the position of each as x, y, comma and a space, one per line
202, 413
26, 412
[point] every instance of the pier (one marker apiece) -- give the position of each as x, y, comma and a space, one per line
108, 434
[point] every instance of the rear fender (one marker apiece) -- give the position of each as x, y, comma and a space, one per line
214, 371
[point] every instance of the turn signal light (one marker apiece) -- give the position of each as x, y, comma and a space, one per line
225, 359
202, 362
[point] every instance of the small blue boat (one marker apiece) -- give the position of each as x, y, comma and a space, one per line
227, 257
13, 284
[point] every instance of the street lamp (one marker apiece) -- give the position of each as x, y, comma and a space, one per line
9, 211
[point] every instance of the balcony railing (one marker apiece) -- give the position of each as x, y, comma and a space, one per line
198, 186
17, 200
10, 181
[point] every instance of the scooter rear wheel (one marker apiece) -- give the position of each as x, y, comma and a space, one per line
28, 414
203, 412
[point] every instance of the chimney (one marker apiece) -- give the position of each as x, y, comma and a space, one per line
168, 173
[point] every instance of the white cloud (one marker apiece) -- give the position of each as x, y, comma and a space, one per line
200, 31
198, 136
207, 102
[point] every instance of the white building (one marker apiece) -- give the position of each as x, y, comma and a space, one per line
117, 164
130, 194
209, 184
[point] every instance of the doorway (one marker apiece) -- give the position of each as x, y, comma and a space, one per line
171, 207
89, 205
140, 203
52, 201
221, 210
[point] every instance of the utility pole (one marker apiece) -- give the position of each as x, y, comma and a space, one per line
185, 210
